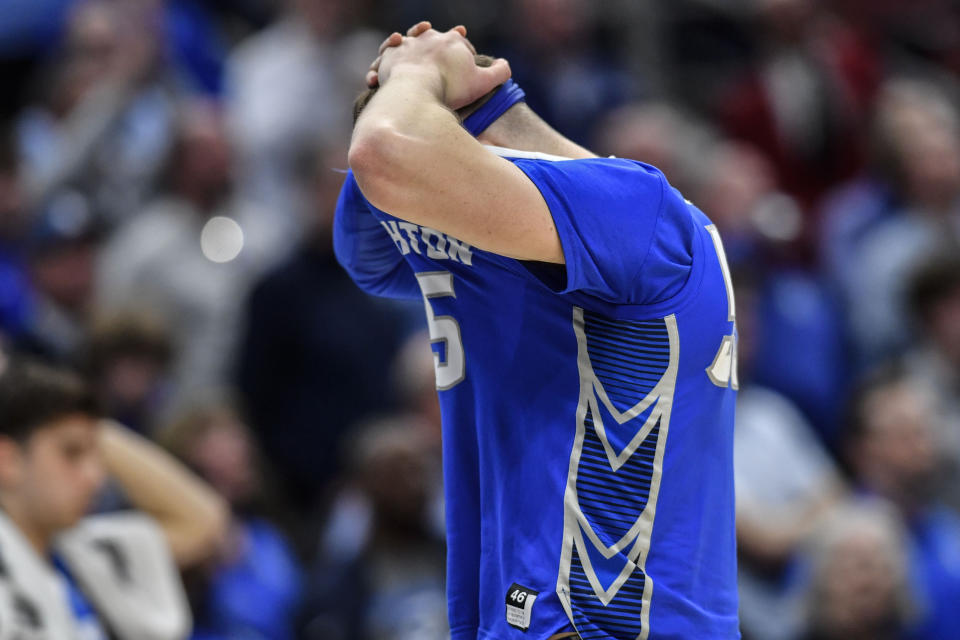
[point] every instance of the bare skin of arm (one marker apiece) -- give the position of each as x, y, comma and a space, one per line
193, 517
519, 128
412, 158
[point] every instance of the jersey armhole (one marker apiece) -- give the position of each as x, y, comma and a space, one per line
546, 273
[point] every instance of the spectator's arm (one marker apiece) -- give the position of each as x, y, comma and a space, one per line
96, 114
193, 517
85, 128
771, 539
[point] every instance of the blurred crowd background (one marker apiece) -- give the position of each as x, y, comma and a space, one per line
168, 173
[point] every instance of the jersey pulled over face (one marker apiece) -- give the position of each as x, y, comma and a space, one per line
587, 408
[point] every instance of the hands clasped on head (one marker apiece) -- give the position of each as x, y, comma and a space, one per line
446, 60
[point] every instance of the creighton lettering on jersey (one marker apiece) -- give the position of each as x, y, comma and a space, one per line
437, 246
587, 408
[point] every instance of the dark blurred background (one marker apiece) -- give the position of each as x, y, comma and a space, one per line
168, 173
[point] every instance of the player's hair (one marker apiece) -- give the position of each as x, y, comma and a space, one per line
33, 395
364, 98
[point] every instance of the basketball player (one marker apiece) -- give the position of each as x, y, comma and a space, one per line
582, 318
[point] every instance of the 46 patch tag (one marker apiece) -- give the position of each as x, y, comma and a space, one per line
520, 601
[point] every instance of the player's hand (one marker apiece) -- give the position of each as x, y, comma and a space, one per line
446, 62
395, 39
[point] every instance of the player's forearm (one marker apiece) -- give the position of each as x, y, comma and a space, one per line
413, 159
194, 519
409, 153
401, 136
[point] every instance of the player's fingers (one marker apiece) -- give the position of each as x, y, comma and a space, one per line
386, 42
461, 31
420, 27
497, 73
371, 76
393, 40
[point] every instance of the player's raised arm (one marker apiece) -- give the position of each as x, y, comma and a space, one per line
511, 123
412, 158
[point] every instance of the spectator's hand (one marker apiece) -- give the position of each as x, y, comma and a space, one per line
138, 45
135, 60
446, 61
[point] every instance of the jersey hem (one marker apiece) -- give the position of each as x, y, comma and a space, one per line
465, 633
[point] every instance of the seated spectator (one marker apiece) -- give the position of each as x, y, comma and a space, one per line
315, 356
192, 254
661, 134
923, 149
852, 210
739, 192
14, 285
859, 586
803, 101
786, 484
97, 577
916, 34
800, 350
288, 89
103, 124
250, 589
127, 359
893, 445
934, 295
559, 55
414, 383
731, 181
392, 587
61, 252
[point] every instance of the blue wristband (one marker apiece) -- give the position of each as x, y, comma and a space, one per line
508, 95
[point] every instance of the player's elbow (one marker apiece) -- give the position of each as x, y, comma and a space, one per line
364, 154
377, 159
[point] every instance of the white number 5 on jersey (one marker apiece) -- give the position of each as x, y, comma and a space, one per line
450, 371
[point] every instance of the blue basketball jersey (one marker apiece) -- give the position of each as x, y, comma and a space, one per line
587, 407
